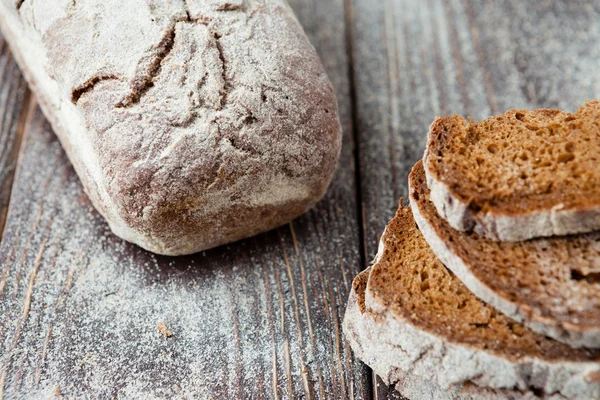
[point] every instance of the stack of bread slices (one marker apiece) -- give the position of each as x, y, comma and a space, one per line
488, 285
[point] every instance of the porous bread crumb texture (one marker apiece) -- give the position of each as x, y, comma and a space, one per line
554, 281
411, 282
521, 161
207, 121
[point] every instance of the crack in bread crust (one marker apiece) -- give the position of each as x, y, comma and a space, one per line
89, 85
149, 68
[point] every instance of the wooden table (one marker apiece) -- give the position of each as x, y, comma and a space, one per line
79, 308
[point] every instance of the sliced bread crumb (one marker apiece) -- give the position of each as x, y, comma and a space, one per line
517, 176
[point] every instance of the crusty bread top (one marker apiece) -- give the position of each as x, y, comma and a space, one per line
521, 161
184, 115
555, 279
410, 281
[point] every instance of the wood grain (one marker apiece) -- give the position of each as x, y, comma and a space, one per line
414, 60
80, 310
83, 312
13, 109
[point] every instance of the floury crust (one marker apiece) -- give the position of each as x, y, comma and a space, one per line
190, 123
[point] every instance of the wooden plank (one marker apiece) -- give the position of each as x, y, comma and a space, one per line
13, 109
414, 60
82, 312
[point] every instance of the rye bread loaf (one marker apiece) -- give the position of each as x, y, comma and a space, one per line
550, 284
517, 176
415, 323
191, 123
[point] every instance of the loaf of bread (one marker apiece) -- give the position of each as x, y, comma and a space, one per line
420, 328
550, 284
517, 176
191, 123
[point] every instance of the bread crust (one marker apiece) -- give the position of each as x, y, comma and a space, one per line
494, 222
539, 318
180, 138
424, 366
556, 221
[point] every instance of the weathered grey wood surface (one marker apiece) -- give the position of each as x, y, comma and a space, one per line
79, 308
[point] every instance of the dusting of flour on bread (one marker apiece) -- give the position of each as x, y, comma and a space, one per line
191, 123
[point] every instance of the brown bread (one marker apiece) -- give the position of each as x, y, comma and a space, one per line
551, 284
416, 324
189, 122
517, 176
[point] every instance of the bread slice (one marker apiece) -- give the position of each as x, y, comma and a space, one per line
368, 337
550, 284
418, 326
517, 176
